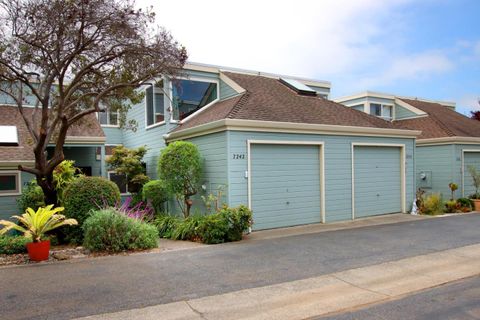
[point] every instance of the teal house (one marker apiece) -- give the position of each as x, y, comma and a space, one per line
448, 145
275, 143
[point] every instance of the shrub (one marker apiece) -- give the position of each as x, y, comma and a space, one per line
155, 192
451, 206
239, 220
432, 204
213, 229
31, 197
465, 204
166, 224
129, 163
188, 229
140, 211
107, 230
180, 167
86, 194
64, 174
13, 244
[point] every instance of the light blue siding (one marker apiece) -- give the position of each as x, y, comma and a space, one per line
226, 91
402, 113
84, 157
438, 163
352, 102
377, 180
338, 167
8, 204
470, 158
113, 135
285, 185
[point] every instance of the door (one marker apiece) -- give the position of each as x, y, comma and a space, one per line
377, 180
285, 185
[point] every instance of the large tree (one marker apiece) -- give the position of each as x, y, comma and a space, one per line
475, 114
77, 57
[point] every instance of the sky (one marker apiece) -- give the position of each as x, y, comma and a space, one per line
423, 48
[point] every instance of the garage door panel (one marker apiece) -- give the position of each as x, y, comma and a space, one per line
470, 159
377, 180
285, 185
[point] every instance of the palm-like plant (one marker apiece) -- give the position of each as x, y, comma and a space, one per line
37, 223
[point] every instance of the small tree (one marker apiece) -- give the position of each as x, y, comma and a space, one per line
475, 114
75, 58
453, 187
180, 167
129, 162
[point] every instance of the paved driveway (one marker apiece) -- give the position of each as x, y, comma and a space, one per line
93, 286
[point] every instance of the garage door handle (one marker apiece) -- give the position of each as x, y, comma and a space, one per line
378, 194
288, 202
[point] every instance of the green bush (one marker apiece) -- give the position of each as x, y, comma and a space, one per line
432, 204
166, 225
465, 204
107, 230
84, 195
213, 229
239, 220
31, 197
13, 244
155, 192
451, 206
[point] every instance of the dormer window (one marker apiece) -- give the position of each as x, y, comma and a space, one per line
189, 96
381, 110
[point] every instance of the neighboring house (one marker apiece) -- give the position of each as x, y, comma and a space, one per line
16, 148
276, 143
449, 143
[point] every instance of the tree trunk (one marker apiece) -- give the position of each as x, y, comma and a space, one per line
46, 183
188, 205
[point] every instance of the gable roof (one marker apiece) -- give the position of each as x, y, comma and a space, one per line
267, 99
440, 122
89, 128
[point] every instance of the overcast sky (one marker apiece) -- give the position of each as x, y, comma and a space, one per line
429, 48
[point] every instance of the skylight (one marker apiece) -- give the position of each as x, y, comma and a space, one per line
8, 136
299, 87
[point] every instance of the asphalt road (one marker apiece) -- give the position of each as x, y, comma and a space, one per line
459, 301
94, 286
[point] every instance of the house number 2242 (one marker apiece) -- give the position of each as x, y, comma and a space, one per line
238, 156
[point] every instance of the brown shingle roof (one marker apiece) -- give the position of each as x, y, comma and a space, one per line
24, 152
440, 122
267, 99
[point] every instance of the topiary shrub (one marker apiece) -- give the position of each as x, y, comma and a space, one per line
13, 244
155, 192
107, 230
31, 197
84, 195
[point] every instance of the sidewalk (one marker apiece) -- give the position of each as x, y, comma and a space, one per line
321, 295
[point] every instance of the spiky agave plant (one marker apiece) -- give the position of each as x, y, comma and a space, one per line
37, 223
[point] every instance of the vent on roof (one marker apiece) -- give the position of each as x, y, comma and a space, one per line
299, 87
8, 136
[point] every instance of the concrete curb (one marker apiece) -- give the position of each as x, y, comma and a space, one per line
321, 295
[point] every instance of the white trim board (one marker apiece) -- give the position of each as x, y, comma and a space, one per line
321, 146
448, 140
462, 170
403, 178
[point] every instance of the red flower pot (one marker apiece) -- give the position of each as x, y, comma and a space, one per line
38, 251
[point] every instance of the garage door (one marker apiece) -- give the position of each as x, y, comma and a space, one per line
285, 185
470, 159
377, 179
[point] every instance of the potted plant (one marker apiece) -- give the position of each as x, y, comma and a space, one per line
476, 183
35, 225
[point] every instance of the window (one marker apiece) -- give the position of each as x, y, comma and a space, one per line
381, 110
120, 180
9, 183
154, 104
190, 96
108, 118
358, 107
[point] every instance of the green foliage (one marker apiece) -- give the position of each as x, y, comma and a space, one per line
37, 223
13, 244
228, 224
86, 194
465, 204
64, 174
451, 206
212, 201
155, 192
475, 181
31, 197
453, 187
129, 162
107, 230
432, 204
180, 167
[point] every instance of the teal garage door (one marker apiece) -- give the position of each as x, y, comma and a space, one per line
470, 159
377, 179
285, 185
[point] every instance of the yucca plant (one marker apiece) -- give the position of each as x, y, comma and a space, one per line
37, 223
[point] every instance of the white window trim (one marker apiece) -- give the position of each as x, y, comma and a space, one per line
18, 180
155, 90
108, 176
403, 174
108, 125
199, 79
